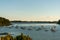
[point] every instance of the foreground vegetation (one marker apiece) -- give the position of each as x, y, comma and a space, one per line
19, 37
4, 22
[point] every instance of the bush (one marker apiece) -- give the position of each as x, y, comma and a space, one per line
23, 37
19, 37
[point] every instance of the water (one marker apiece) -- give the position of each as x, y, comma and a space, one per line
35, 34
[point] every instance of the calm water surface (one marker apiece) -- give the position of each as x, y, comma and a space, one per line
35, 34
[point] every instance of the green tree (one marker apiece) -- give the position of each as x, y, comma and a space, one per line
58, 22
4, 22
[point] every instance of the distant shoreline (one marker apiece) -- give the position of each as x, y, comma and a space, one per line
34, 21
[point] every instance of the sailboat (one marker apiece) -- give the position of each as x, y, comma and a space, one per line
53, 29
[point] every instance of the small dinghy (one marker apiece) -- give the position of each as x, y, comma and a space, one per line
46, 30
23, 28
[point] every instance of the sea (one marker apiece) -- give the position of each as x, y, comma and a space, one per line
37, 31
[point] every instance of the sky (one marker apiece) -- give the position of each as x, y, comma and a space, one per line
30, 10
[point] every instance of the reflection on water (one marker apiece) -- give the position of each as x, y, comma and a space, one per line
36, 31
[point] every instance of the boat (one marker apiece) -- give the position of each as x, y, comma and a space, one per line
38, 29
29, 28
53, 29
46, 30
23, 28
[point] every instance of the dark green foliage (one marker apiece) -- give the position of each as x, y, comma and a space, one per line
4, 22
58, 22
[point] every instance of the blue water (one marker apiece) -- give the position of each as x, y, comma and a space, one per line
33, 33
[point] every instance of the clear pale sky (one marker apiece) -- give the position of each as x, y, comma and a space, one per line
30, 10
